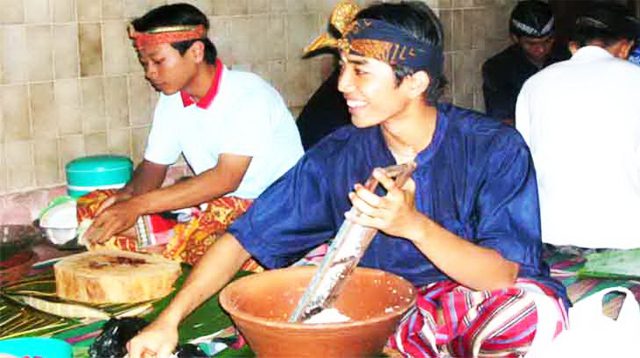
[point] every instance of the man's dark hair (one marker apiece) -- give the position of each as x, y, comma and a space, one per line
605, 22
178, 14
416, 19
531, 18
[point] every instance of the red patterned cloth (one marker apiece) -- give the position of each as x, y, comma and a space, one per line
451, 320
192, 239
187, 241
87, 207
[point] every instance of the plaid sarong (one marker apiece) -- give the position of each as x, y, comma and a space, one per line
185, 241
451, 320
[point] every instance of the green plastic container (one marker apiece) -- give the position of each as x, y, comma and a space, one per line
91, 173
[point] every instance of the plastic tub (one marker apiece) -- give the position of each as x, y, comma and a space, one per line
97, 172
36, 347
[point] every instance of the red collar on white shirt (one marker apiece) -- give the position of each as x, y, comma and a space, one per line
208, 98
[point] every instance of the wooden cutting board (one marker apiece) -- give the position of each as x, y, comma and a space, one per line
111, 276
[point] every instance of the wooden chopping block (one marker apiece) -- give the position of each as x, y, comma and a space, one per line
111, 276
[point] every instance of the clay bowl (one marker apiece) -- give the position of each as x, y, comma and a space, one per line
261, 304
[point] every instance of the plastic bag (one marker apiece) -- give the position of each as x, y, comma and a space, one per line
593, 334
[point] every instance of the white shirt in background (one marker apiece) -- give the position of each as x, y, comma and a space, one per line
581, 119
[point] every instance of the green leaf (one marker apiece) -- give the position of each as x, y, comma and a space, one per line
614, 264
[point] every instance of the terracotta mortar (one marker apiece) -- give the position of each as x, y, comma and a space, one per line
260, 306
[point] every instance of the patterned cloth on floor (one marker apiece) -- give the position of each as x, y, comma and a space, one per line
565, 261
185, 241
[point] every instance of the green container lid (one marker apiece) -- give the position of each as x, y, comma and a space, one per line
99, 170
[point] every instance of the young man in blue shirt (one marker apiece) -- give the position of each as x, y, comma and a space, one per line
464, 229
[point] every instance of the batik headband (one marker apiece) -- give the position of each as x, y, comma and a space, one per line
527, 30
379, 40
166, 34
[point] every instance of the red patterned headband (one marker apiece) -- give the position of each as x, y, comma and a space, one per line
167, 34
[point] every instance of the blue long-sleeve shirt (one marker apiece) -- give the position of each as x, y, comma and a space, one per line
476, 178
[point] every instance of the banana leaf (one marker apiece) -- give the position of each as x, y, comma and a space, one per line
17, 320
40, 292
17, 299
208, 318
614, 264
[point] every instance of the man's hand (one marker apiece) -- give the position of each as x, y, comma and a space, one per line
119, 196
158, 340
112, 221
395, 213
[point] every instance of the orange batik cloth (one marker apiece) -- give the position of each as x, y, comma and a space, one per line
185, 241
87, 207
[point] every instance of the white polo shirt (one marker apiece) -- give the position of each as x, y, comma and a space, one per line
581, 119
247, 117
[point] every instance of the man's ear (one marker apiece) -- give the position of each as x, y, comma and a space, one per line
515, 39
573, 47
624, 49
196, 51
416, 84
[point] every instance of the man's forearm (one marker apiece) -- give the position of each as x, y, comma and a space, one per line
216, 182
147, 176
471, 265
190, 192
216, 268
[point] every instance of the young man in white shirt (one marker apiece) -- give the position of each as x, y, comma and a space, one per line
581, 120
233, 129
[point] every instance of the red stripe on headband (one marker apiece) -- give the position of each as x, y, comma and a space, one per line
142, 39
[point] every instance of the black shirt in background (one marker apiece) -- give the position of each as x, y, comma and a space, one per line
504, 74
326, 111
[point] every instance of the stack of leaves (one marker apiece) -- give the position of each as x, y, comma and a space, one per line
613, 264
30, 307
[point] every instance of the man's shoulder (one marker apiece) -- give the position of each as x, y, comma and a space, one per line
460, 117
237, 80
627, 67
344, 139
547, 76
242, 86
472, 126
506, 57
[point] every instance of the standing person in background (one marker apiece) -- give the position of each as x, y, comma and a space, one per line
532, 31
581, 119
233, 129
464, 229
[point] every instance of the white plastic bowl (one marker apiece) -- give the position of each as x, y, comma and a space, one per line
59, 221
60, 236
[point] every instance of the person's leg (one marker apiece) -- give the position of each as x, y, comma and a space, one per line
191, 240
500, 323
